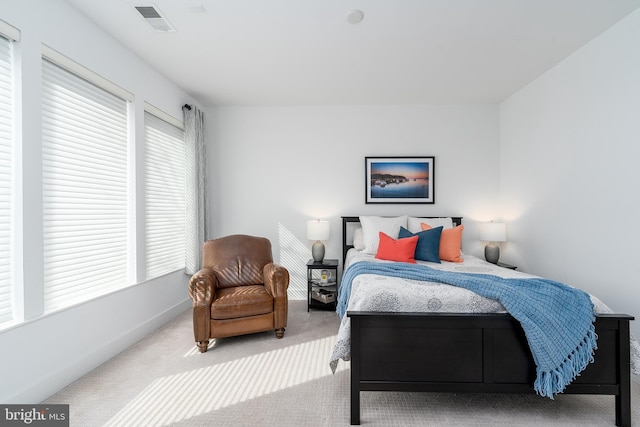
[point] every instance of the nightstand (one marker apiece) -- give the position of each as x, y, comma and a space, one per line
322, 284
509, 266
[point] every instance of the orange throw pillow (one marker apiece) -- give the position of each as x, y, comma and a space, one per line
450, 242
401, 250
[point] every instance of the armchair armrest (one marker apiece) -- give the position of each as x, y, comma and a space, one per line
276, 280
202, 287
202, 290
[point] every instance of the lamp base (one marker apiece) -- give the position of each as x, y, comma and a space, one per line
317, 251
492, 253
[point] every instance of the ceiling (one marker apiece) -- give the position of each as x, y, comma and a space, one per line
305, 52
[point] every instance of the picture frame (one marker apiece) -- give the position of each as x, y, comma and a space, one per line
399, 179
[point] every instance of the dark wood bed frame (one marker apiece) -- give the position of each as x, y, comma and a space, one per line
477, 353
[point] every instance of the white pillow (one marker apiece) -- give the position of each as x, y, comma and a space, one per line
373, 225
358, 239
414, 223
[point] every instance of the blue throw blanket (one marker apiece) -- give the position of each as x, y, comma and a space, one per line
558, 320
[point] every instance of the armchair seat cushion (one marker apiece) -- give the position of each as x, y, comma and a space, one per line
241, 301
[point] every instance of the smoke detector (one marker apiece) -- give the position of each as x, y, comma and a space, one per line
155, 18
355, 16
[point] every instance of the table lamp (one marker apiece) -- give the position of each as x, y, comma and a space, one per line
493, 232
317, 230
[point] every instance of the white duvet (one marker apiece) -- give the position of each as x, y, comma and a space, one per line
371, 292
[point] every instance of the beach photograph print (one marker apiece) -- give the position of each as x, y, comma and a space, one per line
399, 179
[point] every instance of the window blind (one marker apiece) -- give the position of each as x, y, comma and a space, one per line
85, 189
6, 181
164, 196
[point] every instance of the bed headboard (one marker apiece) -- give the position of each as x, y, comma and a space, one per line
346, 220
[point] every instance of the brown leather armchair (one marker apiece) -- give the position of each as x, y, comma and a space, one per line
239, 290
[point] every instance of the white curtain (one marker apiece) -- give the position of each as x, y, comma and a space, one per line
196, 193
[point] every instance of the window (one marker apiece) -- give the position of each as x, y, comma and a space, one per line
86, 188
164, 172
6, 181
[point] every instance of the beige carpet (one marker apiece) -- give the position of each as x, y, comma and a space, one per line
258, 380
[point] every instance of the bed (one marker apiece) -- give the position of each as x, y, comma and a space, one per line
438, 348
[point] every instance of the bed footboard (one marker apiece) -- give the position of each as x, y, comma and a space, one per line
478, 353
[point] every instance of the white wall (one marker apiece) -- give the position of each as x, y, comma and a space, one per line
274, 168
46, 353
570, 145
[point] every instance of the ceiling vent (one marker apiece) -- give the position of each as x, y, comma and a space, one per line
155, 18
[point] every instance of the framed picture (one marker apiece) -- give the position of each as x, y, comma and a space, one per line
399, 179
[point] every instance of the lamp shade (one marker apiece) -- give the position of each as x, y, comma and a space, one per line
493, 232
318, 230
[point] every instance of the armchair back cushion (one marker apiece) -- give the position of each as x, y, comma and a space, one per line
238, 260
